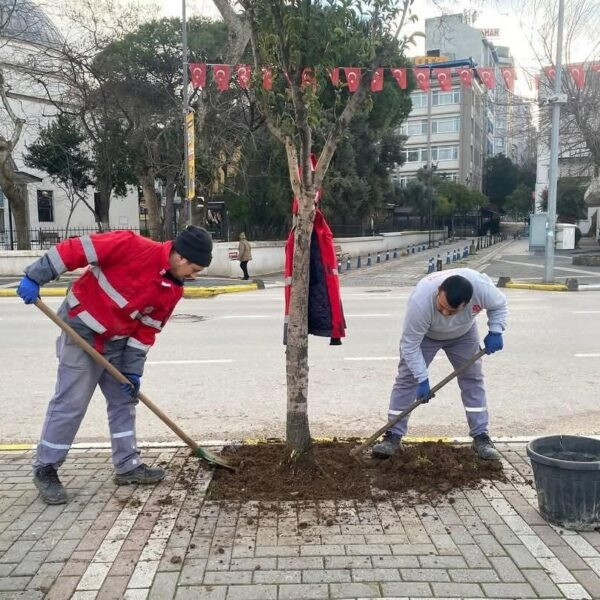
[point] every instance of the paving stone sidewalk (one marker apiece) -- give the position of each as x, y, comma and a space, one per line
166, 541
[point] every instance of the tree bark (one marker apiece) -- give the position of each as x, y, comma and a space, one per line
169, 208
147, 180
16, 194
296, 364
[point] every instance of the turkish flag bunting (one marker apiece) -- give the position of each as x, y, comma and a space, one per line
508, 74
222, 74
400, 76
550, 73
308, 78
353, 75
578, 75
422, 77
198, 75
334, 75
466, 75
487, 76
377, 81
444, 77
267, 78
242, 74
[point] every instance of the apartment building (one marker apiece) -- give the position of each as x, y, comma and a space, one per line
454, 121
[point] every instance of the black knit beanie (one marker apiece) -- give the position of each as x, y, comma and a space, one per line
195, 244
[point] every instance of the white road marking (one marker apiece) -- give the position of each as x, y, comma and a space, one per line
590, 355
356, 358
249, 317
526, 264
367, 315
191, 362
586, 312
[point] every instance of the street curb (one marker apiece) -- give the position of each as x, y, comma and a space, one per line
523, 439
188, 292
505, 282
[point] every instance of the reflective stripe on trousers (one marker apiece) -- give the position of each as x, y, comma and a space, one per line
472, 389
78, 376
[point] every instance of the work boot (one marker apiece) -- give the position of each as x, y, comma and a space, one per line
47, 482
483, 446
391, 443
141, 474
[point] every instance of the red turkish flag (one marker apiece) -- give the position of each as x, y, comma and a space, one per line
508, 74
242, 75
578, 75
444, 77
377, 81
466, 75
550, 73
334, 75
308, 78
267, 78
222, 75
198, 75
400, 76
487, 76
353, 75
422, 77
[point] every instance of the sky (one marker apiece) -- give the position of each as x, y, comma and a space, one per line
513, 18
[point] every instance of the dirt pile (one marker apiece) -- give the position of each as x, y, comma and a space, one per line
425, 470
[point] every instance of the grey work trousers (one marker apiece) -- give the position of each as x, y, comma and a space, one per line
458, 351
78, 376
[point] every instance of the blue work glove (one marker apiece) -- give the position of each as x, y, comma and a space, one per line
134, 387
493, 342
29, 290
423, 391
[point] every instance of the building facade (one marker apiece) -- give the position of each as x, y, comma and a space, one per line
450, 129
29, 54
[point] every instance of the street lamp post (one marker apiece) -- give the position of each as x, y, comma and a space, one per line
556, 100
185, 108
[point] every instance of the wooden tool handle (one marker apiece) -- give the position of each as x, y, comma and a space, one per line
114, 372
418, 402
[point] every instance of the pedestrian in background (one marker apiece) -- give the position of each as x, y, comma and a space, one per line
119, 305
244, 254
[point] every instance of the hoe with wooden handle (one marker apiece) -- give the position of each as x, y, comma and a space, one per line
196, 449
356, 451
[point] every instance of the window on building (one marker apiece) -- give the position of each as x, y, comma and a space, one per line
415, 127
415, 155
45, 206
449, 176
440, 98
419, 99
449, 125
439, 153
403, 181
2, 196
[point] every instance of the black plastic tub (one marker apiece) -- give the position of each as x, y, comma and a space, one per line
566, 469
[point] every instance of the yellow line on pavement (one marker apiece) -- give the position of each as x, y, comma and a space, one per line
547, 287
15, 447
188, 292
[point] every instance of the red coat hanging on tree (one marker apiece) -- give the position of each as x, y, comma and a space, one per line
325, 311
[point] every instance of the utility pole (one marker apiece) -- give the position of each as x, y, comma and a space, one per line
555, 100
429, 162
187, 201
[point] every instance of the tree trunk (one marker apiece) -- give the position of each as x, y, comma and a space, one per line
102, 206
16, 194
169, 206
296, 364
147, 180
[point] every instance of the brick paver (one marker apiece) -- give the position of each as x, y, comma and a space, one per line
166, 541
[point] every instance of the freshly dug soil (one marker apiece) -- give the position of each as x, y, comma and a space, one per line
426, 470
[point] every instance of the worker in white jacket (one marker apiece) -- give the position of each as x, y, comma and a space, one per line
441, 315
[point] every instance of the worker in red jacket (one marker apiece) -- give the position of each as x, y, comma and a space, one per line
119, 305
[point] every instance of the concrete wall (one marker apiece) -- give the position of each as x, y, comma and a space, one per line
267, 257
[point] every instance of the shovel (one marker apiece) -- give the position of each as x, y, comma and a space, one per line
356, 451
196, 450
